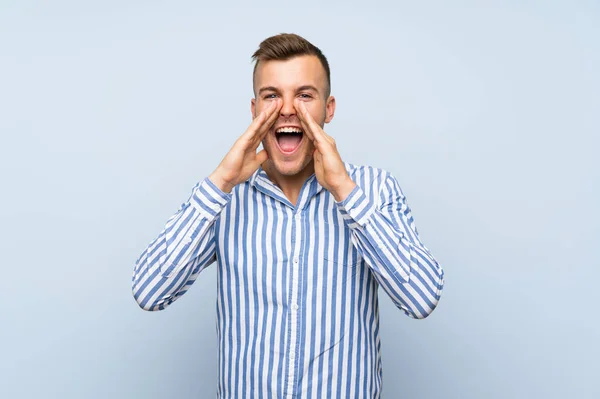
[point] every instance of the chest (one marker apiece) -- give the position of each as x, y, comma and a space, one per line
263, 230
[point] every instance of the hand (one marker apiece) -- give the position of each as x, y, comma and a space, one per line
329, 167
242, 160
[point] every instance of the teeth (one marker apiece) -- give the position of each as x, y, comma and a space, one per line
289, 130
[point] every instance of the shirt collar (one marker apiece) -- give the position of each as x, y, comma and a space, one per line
261, 181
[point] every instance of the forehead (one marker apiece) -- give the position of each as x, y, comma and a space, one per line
292, 73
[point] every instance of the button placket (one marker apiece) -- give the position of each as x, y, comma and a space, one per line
296, 240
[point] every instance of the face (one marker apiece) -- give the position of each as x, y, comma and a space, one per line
301, 78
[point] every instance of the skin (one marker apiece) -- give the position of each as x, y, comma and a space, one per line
288, 93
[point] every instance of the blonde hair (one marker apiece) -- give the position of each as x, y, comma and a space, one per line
285, 46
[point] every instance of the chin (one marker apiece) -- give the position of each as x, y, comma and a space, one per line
290, 168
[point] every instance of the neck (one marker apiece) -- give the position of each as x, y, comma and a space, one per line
289, 184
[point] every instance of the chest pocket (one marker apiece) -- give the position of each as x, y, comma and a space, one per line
341, 249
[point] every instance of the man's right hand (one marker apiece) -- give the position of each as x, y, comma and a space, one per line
242, 160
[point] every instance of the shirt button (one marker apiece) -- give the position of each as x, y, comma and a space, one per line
295, 306
296, 260
292, 356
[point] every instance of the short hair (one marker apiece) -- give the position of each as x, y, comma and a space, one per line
285, 46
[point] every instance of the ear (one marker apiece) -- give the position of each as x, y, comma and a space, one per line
253, 107
329, 109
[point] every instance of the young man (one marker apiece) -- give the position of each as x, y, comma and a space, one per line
301, 240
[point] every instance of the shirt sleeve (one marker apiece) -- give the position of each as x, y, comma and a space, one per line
172, 261
386, 236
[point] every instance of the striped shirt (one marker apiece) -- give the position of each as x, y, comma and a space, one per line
297, 307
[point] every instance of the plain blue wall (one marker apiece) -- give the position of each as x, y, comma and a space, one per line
486, 112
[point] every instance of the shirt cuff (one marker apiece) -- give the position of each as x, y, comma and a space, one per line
208, 199
356, 209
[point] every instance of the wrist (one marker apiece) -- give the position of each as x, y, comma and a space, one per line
218, 181
343, 190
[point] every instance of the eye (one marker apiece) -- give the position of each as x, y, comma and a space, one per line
270, 96
305, 95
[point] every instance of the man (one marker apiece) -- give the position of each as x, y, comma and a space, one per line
301, 240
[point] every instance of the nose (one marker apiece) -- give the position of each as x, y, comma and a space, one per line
287, 109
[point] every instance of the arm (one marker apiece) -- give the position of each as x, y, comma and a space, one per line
186, 246
387, 238
172, 262
384, 233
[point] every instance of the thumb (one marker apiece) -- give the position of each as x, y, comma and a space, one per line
261, 157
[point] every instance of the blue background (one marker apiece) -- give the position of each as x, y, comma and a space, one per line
486, 112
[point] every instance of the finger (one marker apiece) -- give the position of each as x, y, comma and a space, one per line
321, 144
315, 132
270, 112
307, 129
259, 130
256, 124
300, 111
261, 157
272, 116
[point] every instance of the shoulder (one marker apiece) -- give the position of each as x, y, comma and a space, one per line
372, 180
367, 174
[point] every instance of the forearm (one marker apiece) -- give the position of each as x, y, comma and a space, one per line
388, 241
171, 262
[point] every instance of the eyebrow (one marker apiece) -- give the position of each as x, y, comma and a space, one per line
268, 88
276, 90
308, 87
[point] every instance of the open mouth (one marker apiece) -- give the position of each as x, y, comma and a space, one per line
289, 139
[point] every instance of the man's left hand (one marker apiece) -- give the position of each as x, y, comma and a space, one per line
329, 168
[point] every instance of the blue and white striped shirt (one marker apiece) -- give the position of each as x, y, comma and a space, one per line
297, 307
